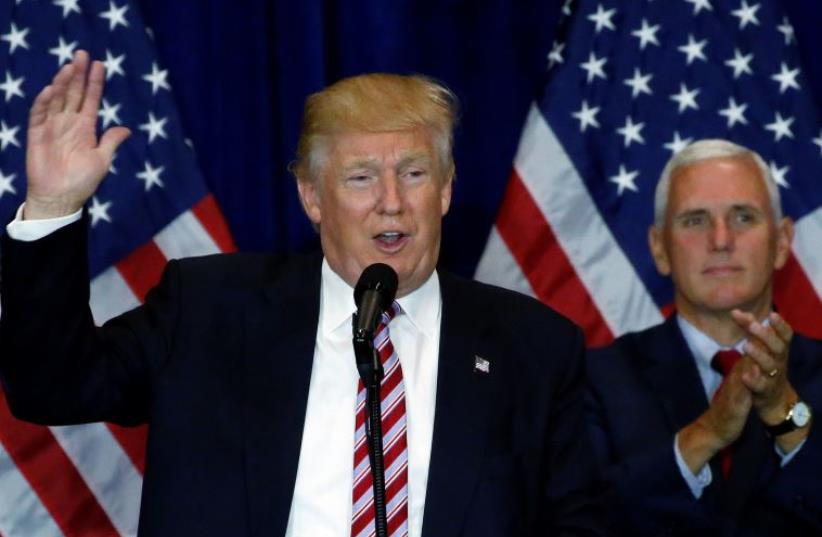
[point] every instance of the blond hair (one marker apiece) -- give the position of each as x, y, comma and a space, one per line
373, 103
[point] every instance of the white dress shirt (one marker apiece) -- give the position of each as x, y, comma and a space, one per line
322, 494
321, 506
703, 349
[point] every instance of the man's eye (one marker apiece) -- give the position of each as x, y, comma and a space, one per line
358, 178
744, 217
693, 220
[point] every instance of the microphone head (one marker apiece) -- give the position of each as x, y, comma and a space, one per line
379, 277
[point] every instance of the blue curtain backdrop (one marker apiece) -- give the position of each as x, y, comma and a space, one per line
241, 69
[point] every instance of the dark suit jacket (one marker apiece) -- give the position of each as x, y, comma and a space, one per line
642, 390
218, 361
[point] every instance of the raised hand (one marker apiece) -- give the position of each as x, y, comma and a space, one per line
65, 162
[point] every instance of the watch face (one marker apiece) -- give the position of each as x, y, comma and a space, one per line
800, 414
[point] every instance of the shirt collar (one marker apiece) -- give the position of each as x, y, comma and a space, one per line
421, 306
702, 346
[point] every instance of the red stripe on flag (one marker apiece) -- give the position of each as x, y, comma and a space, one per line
142, 269
208, 213
797, 300
531, 241
40, 459
133, 442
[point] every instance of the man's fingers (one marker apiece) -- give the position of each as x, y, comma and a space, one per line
781, 327
39, 108
112, 139
94, 89
768, 336
59, 85
761, 357
77, 84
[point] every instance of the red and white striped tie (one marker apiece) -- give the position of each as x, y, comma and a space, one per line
395, 446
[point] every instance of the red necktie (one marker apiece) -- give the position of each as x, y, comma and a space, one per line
723, 362
395, 446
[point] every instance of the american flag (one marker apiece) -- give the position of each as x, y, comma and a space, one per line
153, 206
629, 82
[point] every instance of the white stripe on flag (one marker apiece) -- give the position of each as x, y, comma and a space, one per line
498, 267
107, 471
806, 247
110, 296
21, 512
185, 236
561, 195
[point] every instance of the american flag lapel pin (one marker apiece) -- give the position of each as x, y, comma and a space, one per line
481, 365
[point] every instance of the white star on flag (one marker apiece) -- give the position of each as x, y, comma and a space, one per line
16, 38
639, 83
735, 113
151, 175
781, 127
5, 183
787, 30
686, 98
818, 141
746, 14
587, 116
555, 56
114, 64
109, 113
694, 49
157, 78
115, 15
631, 132
778, 174
11, 87
740, 64
68, 6
624, 179
699, 5
99, 211
786, 78
677, 144
594, 66
646, 34
154, 127
64, 51
8, 135
602, 18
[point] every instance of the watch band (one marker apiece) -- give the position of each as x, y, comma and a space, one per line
798, 416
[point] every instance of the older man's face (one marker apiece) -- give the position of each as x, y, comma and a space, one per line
380, 197
720, 243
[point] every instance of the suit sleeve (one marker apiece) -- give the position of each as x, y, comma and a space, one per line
56, 366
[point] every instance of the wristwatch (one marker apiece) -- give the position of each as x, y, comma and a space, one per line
798, 416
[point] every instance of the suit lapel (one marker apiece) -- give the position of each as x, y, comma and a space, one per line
673, 374
464, 398
281, 329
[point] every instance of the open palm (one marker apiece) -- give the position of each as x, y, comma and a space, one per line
64, 160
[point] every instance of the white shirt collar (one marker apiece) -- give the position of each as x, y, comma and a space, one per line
702, 346
421, 306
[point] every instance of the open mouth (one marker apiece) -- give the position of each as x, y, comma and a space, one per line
390, 240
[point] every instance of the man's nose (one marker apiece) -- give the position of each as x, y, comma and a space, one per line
722, 237
391, 194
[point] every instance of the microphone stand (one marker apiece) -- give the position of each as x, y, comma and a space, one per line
370, 369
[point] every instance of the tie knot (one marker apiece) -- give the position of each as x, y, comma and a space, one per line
393, 310
724, 361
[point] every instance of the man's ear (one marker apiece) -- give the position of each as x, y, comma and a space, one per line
310, 198
656, 242
445, 195
784, 239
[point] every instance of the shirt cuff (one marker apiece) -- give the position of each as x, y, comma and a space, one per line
31, 230
698, 482
786, 457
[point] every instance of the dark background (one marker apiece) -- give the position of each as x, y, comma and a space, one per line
241, 69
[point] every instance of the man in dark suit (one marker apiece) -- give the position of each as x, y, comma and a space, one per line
703, 424
243, 365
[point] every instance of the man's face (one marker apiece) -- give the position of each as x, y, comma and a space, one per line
720, 243
380, 197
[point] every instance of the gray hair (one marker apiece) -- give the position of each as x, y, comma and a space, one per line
706, 150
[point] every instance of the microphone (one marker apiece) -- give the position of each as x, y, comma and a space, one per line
373, 294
